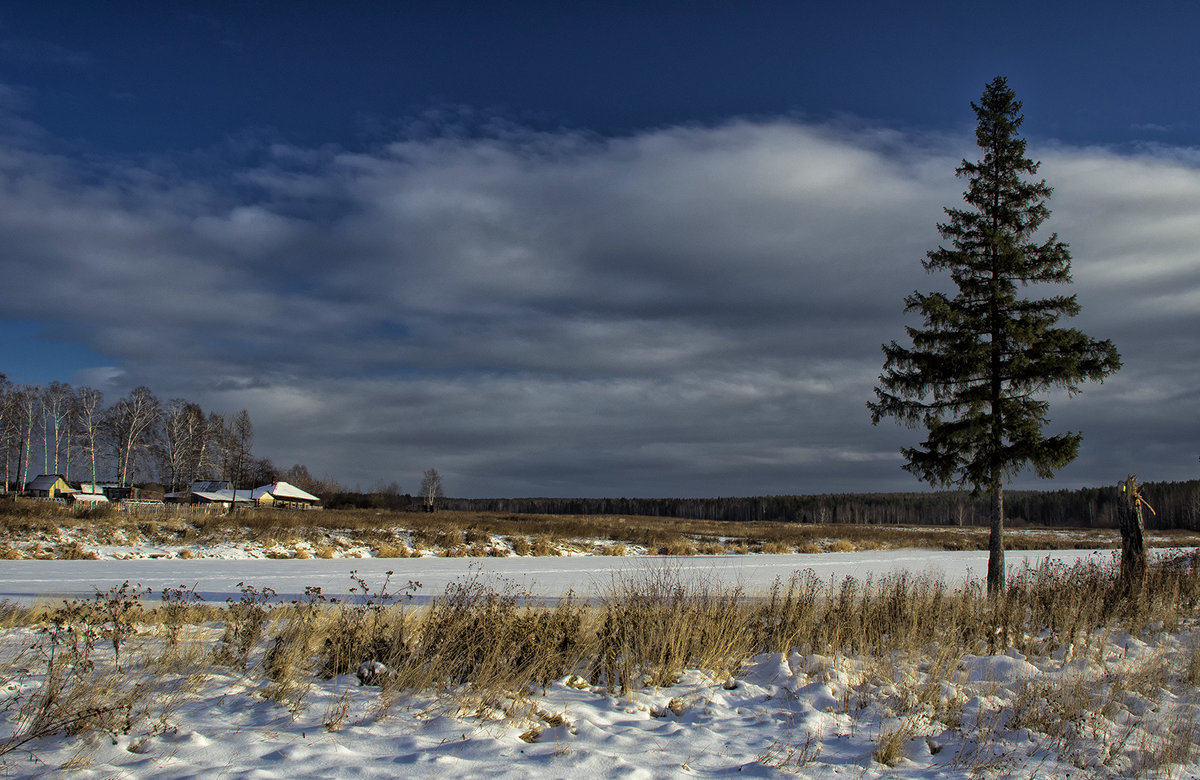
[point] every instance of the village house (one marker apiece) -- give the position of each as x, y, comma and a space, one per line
217, 491
284, 495
49, 486
281, 495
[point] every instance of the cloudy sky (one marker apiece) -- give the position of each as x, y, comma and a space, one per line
578, 249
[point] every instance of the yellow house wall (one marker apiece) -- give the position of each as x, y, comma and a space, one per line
58, 486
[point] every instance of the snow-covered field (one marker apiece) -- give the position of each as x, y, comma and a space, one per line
546, 577
1099, 710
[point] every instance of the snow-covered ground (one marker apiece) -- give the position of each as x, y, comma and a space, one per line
779, 716
545, 577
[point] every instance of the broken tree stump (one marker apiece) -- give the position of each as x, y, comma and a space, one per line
1133, 544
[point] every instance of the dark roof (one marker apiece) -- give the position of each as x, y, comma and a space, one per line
210, 486
44, 481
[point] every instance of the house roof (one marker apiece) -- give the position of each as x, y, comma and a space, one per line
91, 498
219, 496
283, 491
210, 486
44, 482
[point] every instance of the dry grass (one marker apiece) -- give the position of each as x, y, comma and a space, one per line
22, 520
1191, 668
493, 639
790, 757
653, 627
893, 641
892, 740
1174, 744
543, 545
384, 550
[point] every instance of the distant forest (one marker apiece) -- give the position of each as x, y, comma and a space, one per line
1176, 505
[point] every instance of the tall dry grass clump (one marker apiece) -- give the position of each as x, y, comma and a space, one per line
544, 546
1045, 608
654, 626
902, 612
493, 639
370, 627
245, 620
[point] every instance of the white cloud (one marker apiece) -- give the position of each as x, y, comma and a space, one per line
688, 310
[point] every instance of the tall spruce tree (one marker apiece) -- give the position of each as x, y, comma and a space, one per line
974, 371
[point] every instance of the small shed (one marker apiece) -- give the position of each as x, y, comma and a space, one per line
49, 486
284, 495
101, 491
90, 498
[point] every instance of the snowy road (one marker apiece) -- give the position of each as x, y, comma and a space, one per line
218, 579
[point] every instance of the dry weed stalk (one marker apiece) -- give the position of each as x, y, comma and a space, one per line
244, 622
79, 691
792, 758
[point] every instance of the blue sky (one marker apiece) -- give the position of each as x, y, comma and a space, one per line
577, 248
177, 77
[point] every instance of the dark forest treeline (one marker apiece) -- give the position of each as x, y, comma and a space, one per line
1176, 505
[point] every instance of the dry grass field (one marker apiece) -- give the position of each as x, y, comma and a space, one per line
30, 529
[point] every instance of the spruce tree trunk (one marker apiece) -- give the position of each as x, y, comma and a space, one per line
995, 575
995, 572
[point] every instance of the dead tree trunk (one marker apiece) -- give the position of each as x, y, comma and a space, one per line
1133, 545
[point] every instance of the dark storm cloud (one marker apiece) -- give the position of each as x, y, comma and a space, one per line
688, 311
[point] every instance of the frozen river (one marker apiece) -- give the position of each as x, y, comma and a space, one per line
218, 579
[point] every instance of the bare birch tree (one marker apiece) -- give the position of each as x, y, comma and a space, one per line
130, 424
431, 489
58, 404
201, 449
239, 444
181, 445
89, 420
28, 405
211, 463
8, 426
